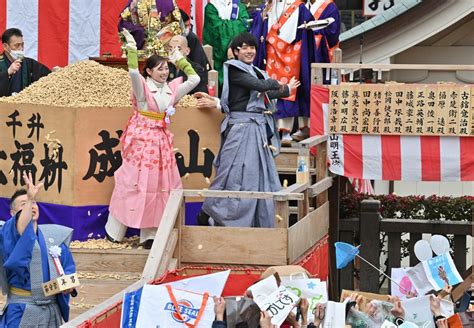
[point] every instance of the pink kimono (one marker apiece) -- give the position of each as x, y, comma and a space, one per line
148, 173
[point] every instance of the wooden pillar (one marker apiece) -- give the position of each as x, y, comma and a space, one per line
282, 213
334, 194
369, 244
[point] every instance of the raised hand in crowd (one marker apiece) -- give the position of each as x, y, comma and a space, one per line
304, 307
219, 308
397, 310
319, 313
446, 291
265, 320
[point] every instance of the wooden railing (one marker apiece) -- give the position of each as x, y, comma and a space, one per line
366, 231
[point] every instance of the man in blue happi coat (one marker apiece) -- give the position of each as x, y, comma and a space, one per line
27, 264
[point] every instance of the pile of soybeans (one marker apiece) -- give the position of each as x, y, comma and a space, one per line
85, 84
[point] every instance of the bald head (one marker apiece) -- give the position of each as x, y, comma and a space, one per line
180, 42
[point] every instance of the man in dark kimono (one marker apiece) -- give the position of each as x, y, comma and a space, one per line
196, 50
17, 71
248, 139
25, 249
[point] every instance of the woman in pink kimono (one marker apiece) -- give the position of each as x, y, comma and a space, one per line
148, 172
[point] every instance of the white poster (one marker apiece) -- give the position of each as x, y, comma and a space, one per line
441, 270
405, 285
279, 304
159, 310
262, 289
211, 283
417, 311
419, 279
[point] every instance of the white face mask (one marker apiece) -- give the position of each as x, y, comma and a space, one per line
186, 31
17, 54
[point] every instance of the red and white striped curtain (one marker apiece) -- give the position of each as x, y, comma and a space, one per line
59, 32
385, 157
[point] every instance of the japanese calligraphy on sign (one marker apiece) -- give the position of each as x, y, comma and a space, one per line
401, 109
375, 7
80, 172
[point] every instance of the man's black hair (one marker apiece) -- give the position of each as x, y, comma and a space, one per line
244, 37
18, 193
6, 36
184, 16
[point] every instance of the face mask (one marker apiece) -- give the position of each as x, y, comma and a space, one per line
17, 54
186, 31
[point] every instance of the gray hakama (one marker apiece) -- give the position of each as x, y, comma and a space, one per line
245, 161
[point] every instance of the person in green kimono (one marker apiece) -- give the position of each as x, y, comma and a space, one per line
223, 20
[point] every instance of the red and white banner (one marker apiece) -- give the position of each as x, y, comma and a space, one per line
60, 32
385, 157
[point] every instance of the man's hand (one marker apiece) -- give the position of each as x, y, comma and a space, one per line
31, 189
26, 214
294, 83
304, 307
435, 305
219, 308
204, 101
14, 67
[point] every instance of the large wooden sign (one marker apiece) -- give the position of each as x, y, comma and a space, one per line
402, 109
81, 171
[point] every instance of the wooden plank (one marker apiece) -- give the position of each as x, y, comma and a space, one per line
394, 252
460, 253
173, 264
307, 232
241, 194
180, 222
282, 214
349, 224
303, 205
295, 188
312, 141
168, 253
208, 50
321, 171
369, 238
334, 231
320, 186
423, 67
292, 170
168, 220
459, 290
228, 245
102, 307
414, 237
106, 261
427, 226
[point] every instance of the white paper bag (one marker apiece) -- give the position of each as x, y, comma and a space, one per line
314, 290
157, 308
335, 316
418, 311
